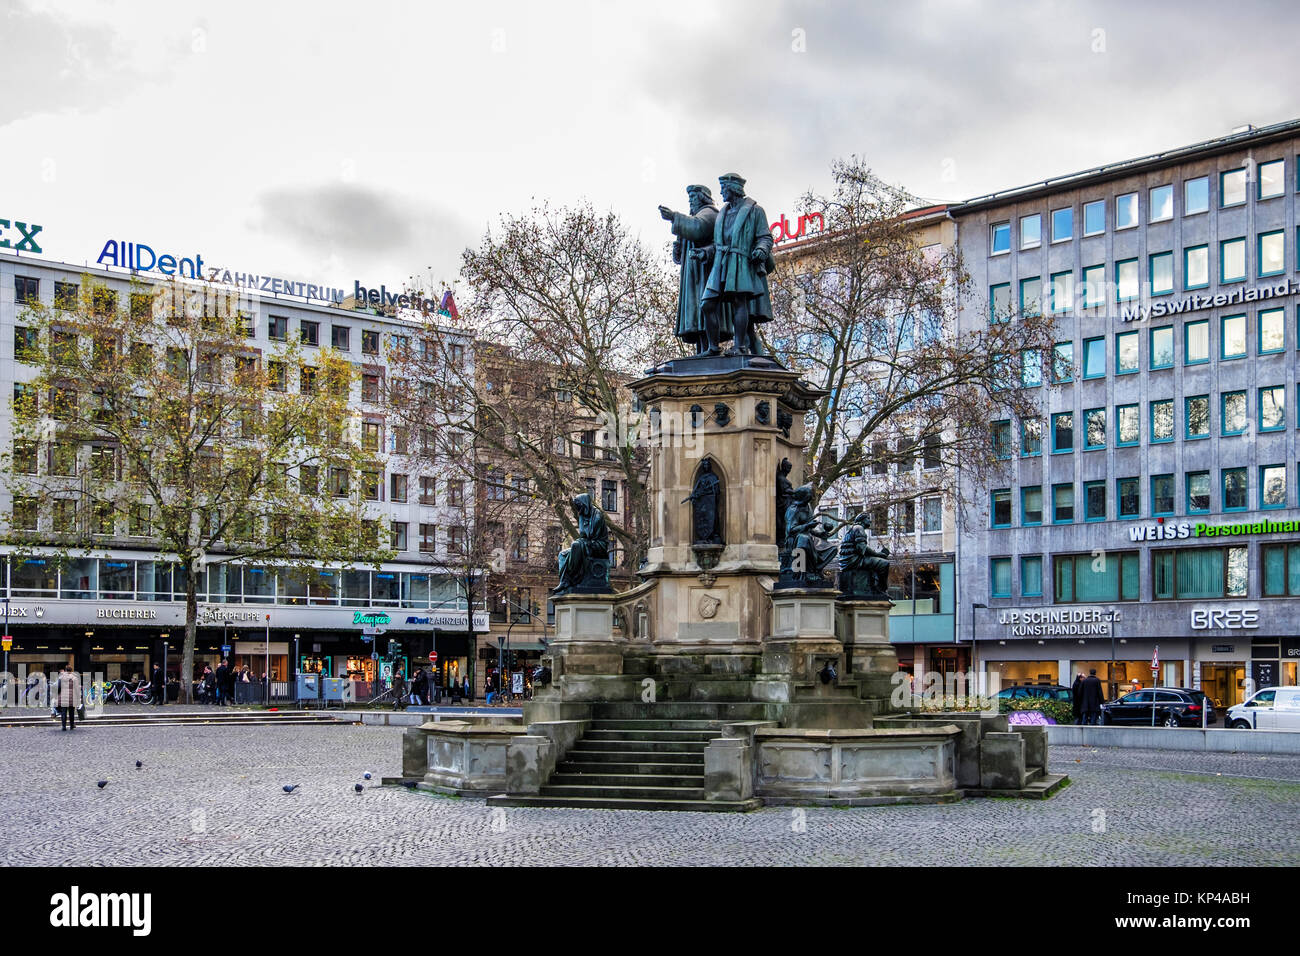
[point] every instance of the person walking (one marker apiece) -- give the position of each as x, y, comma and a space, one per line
209, 684
1091, 698
69, 696
219, 683
156, 686
464, 689
1076, 703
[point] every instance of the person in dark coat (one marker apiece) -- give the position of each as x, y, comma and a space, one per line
157, 686
219, 681
1091, 697
209, 684
1074, 697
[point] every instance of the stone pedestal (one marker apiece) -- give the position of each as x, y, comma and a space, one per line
584, 636
803, 638
872, 660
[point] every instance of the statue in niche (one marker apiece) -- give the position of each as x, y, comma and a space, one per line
706, 510
784, 494
864, 571
584, 566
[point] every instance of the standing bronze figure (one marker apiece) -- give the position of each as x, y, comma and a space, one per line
784, 495
694, 232
741, 258
706, 502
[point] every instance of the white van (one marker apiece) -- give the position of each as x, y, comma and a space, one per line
1273, 708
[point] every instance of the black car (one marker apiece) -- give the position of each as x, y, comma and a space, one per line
1160, 706
1042, 691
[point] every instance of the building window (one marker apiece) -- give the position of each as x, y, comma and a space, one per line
339, 482
1272, 408
1031, 505
1272, 331
1063, 362
371, 436
999, 238
1232, 188
65, 296
1196, 267
1196, 195
1000, 577
1031, 576
1128, 424
428, 538
1094, 501
371, 481
588, 444
1094, 357
608, 495
1128, 496
1062, 292
26, 344
1031, 369
1162, 273
1031, 231
370, 388
1126, 353
1192, 573
1234, 489
1085, 579
1196, 414
1198, 492
1002, 508
1094, 428
369, 342
428, 490
339, 337
1031, 437
931, 515
1272, 253
277, 328
1094, 286
1272, 179
1000, 302
1063, 432
1196, 342
1280, 570
309, 332
1126, 211
1062, 504
1031, 296
1126, 280
1162, 347
1161, 199
1162, 494
456, 493
399, 535
26, 290
1272, 486
309, 479
931, 453
397, 488
1234, 413
1094, 218
1232, 260
1062, 224
1001, 438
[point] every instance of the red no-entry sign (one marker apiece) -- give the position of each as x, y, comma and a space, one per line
433, 656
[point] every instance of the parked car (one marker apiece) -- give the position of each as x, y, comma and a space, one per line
1163, 706
1045, 691
1273, 708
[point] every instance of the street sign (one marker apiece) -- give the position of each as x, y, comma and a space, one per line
372, 631
7, 643
1155, 660
433, 657
366, 638
374, 655
516, 683
225, 650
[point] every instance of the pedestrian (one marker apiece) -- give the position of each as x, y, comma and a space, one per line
464, 689
69, 696
156, 686
1091, 697
1076, 702
419, 686
209, 685
1137, 686
219, 682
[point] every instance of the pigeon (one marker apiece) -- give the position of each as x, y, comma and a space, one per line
290, 787
102, 784
358, 787
138, 765
366, 775
408, 784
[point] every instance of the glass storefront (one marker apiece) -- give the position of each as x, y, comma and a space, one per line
1224, 682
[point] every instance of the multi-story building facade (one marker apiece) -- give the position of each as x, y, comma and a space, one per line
119, 611
521, 536
1154, 504
905, 489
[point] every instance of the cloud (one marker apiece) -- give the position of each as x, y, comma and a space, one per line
58, 65
363, 227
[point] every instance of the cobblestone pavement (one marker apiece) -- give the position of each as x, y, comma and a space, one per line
212, 795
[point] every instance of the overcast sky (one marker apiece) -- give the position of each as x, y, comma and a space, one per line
333, 141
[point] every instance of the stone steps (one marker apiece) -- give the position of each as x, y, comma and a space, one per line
592, 754
649, 724
650, 767
684, 736
641, 746
626, 792
617, 803
678, 710
571, 778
